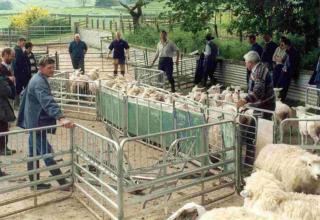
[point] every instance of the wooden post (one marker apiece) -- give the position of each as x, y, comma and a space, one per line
70, 19
116, 25
110, 23
92, 23
103, 24
87, 21
122, 26
130, 27
98, 22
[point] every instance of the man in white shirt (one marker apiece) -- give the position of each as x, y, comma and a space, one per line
166, 51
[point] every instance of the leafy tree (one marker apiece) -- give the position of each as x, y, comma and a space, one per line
135, 11
26, 18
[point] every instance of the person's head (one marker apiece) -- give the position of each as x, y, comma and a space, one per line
267, 37
251, 59
8, 55
77, 37
209, 37
163, 36
287, 44
21, 42
281, 43
252, 39
47, 66
29, 47
118, 35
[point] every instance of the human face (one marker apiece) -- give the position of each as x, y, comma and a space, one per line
163, 37
251, 40
118, 36
8, 58
266, 38
249, 65
77, 38
21, 43
47, 70
281, 45
29, 50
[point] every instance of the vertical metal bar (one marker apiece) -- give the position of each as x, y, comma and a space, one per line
34, 154
120, 180
73, 155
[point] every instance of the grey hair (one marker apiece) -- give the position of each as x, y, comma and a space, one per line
77, 35
252, 56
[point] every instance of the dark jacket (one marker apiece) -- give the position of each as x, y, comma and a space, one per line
315, 78
77, 50
7, 91
256, 47
268, 52
38, 107
292, 63
260, 87
20, 65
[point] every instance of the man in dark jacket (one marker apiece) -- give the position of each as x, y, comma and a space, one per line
7, 91
210, 60
32, 62
77, 51
254, 47
39, 109
268, 51
21, 67
290, 69
260, 95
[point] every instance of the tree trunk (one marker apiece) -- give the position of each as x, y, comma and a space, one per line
136, 21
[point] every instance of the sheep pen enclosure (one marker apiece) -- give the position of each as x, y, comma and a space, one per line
147, 151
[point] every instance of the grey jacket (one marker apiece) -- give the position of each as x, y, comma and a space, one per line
7, 91
38, 107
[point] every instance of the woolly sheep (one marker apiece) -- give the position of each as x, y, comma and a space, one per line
282, 111
308, 128
298, 169
266, 196
93, 74
190, 211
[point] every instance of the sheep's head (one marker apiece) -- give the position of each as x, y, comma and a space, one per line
262, 191
312, 162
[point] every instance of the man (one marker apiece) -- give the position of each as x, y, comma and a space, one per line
20, 67
7, 90
260, 95
32, 62
120, 49
268, 51
290, 69
77, 51
210, 60
38, 109
254, 47
165, 51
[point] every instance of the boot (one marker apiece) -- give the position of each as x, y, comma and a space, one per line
41, 185
57, 172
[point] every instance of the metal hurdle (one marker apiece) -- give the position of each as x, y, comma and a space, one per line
152, 77
290, 132
16, 187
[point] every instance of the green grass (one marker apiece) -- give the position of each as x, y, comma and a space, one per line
4, 21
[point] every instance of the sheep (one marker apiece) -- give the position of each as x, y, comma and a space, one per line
215, 89
190, 211
224, 92
93, 74
148, 91
234, 213
157, 96
203, 98
266, 196
282, 111
298, 169
308, 128
135, 90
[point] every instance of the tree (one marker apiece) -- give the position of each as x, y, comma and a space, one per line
135, 11
83, 2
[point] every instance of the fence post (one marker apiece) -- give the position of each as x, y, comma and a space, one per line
103, 24
121, 24
130, 27
110, 25
9, 36
92, 25
98, 22
87, 21
116, 26
57, 60
70, 19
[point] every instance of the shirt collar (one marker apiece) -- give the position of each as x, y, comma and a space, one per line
254, 68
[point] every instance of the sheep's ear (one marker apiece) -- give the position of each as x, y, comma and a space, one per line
246, 193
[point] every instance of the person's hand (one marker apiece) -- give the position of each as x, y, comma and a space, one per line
12, 78
177, 62
241, 103
66, 123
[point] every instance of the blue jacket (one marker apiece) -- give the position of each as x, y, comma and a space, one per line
38, 107
256, 47
77, 50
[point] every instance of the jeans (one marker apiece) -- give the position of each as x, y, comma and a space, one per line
43, 147
166, 65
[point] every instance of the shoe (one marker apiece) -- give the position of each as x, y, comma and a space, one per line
3, 173
7, 152
41, 186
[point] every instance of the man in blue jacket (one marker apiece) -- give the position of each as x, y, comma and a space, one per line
39, 109
77, 51
254, 47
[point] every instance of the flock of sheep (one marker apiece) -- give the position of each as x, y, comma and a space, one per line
284, 186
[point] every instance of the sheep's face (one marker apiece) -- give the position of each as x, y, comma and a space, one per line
313, 165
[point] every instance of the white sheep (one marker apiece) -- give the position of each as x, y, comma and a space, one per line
298, 169
215, 89
282, 110
135, 90
93, 74
308, 128
266, 196
233, 213
188, 211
